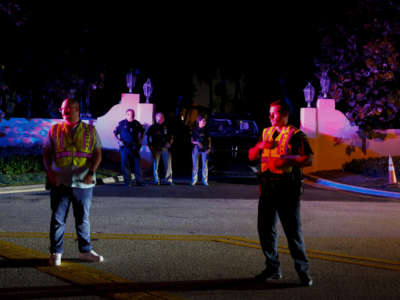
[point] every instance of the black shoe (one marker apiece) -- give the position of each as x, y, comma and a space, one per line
305, 279
140, 184
268, 274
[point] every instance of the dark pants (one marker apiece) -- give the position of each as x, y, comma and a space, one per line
280, 197
130, 158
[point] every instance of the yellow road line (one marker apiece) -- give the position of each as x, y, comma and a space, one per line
310, 251
231, 240
324, 255
225, 241
78, 274
385, 261
25, 235
360, 263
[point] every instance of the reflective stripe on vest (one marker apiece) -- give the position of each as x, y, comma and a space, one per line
73, 154
281, 149
74, 150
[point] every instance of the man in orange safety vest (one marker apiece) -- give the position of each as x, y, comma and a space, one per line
284, 151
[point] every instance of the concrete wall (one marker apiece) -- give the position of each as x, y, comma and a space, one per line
332, 137
18, 132
106, 124
335, 141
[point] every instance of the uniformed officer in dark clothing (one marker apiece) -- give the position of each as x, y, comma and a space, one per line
284, 151
160, 139
201, 141
129, 133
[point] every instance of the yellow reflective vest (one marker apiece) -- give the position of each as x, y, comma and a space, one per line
73, 150
283, 148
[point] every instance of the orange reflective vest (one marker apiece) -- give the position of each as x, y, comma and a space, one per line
73, 150
283, 148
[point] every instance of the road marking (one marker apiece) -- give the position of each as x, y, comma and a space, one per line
230, 240
88, 278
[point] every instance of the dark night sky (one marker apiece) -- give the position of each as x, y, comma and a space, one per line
184, 37
169, 41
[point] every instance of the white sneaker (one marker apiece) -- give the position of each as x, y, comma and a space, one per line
55, 259
91, 256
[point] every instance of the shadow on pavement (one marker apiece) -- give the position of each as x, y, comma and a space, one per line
180, 190
151, 288
24, 263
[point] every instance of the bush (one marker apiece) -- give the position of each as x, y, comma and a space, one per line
23, 179
17, 161
21, 166
377, 166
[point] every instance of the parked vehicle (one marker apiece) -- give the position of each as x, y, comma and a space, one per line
231, 138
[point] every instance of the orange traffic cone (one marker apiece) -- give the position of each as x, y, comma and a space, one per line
392, 172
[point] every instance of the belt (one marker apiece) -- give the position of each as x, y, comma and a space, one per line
272, 176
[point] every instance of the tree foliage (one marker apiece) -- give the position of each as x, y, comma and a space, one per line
13, 11
362, 55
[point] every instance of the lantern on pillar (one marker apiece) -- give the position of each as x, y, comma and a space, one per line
325, 84
147, 89
309, 92
130, 80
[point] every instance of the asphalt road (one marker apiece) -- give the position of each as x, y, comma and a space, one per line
182, 242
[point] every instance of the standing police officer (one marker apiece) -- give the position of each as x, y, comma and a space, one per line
160, 139
201, 141
129, 133
284, 151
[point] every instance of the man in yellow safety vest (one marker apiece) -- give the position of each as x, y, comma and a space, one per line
284, 151
71, 156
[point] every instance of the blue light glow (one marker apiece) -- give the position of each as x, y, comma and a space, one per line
357, 189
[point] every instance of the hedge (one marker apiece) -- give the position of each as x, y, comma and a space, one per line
377, 166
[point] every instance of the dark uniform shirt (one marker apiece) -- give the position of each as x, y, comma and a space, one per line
201, 135
129, 133
300, 146
159, 135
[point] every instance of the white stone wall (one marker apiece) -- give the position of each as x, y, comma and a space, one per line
21, 132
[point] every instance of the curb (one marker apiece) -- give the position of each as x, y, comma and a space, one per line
22, 189
352, 188
107, 180
42, 188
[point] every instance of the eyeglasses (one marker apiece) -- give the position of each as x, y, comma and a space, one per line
67, 108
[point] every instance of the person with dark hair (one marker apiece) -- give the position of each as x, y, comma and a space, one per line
201, 141
71, 156
160, 139
129, 134
284, 151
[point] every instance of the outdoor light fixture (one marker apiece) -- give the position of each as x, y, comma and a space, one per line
130, 81
325, 83
309, 94
147, 89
